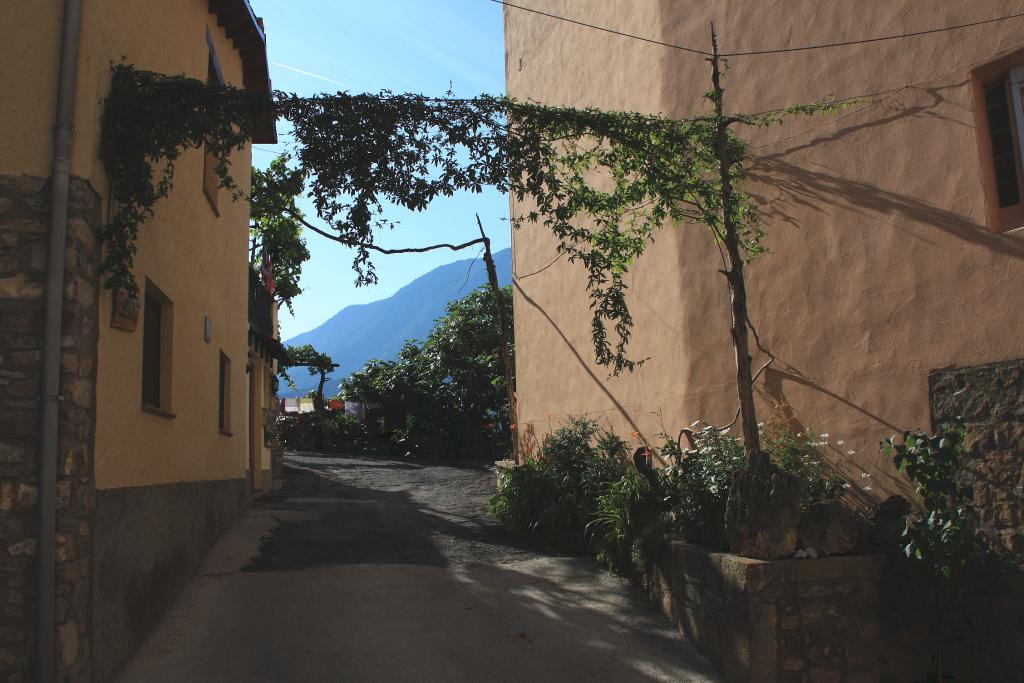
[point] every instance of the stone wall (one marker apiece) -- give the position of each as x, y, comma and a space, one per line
149, 541
827, 619
23, 245
990, 400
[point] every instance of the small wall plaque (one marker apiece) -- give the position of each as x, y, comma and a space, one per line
207, 329
124, 314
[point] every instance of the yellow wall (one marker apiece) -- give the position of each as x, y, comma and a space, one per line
882, 265
262, 372
196, 258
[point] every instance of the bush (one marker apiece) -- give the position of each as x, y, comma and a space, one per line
556, 496
697, 483
697, 486
796, 454
942, 539
581, 493
628, 528
583, 460
341, 431
332, 433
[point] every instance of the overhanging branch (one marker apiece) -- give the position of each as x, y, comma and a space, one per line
373, 247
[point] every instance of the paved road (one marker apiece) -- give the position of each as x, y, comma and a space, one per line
363, 569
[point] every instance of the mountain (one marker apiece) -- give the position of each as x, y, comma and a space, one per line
355, 334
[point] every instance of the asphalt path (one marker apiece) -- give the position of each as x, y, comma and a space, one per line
370, 569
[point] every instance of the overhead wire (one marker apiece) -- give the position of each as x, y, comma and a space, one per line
748, 53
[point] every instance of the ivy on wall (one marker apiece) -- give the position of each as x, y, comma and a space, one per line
149, 120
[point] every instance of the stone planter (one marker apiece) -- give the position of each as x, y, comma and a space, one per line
502, 468
784, 620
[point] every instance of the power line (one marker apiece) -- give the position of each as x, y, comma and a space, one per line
872, 40
603, 28
748, 53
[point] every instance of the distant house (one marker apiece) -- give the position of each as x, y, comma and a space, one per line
160, 417
894, 227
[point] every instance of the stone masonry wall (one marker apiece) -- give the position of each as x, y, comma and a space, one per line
787, 621
23, 244
990, 400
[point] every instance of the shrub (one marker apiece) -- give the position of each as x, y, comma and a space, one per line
628, 527
333, 432
797, 455
341, 431
556, 496
697, 483
942, 540
584, 460
697, 486
581, 493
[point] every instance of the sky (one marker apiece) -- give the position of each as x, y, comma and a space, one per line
422, 46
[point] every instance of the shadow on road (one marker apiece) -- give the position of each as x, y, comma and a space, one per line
383, 517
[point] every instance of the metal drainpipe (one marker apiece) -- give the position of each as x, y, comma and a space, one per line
60, 183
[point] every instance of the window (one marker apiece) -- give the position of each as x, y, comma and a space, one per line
1000, 106
211, 181
156, 351
224, 395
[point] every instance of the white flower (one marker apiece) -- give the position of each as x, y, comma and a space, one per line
840, 442
851, 452
864, 475
846, 484
866, 488
824, 436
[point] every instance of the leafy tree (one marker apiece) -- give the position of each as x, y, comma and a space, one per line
275, 230
448, 387
317, 363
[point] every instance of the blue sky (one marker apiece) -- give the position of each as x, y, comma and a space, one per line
421, 46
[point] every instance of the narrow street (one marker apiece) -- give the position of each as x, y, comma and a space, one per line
368, 569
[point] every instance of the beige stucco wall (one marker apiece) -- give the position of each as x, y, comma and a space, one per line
196, 258
882, 265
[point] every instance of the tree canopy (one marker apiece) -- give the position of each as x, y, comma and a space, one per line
450, 386
275, 226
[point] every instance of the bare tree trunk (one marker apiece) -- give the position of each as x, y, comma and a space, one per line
505, 334
318, 399
737, 286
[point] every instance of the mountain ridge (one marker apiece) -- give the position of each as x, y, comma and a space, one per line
379, 329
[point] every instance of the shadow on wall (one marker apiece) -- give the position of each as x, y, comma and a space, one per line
583, 362
796, 186
797, 189
772, 390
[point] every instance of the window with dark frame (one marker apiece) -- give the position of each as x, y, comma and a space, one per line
1000, 104
224, 395
152, 338
1000, 128
211, 181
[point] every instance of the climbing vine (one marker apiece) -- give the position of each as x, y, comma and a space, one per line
602, 182
148, 121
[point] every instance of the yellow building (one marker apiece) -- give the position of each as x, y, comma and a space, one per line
156, 424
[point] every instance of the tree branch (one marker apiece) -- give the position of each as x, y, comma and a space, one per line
382, 250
